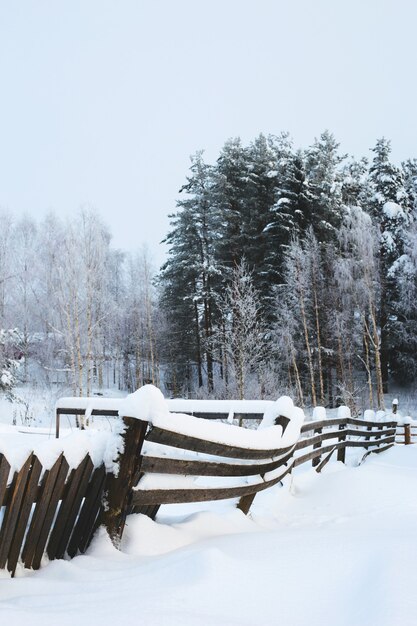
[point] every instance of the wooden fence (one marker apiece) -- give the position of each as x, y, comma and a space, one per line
50, 512
56, 511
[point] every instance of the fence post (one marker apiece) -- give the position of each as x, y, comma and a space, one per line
117, 490
407, 434
316, 461
341, 453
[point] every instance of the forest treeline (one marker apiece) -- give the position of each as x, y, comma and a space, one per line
74, 312
293, 270
287, 271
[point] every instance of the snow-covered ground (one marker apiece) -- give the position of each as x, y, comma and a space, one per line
337, 548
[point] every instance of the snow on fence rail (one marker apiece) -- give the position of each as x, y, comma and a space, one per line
206, 409
166, 459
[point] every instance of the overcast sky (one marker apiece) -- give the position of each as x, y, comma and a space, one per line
102, 102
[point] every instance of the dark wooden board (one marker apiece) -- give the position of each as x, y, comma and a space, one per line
323, 424
103, 412
88, 514
25, 511
315, 453
4, 476
316, 439
12, 512
376, 451
368, 444
166, 465
353, 421
175, 496
353, 432
222, 416
43, 500
72, 505
60, 528
176, 440
150, 510
51, 505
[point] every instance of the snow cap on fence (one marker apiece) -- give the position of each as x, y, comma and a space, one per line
283, 406
343, 412
369, 415
145, 404
380, 416
319, 413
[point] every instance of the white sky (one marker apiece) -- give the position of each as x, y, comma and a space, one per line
102, 102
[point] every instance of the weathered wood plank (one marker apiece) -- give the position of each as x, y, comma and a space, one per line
4, 476
25, 511
376, 451
51, 504
176, 496
176, 440
11, 514
367, 444
353, 444
117, 490
341, 452
316, 459
338, 421
60, 528
150, 510
315, 453
352, 421
315, 439
326, 459
73, 501
88, 514
163, 465
43, 499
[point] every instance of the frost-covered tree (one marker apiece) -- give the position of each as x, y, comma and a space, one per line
391, 211
242, 336
82, 284
25, 293
289, 216
323, 161
355, 326
189, 277
7, 269
229, 193
9, 364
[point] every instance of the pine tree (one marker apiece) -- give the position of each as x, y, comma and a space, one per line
230, 194
325, 187
190, 275
288, 216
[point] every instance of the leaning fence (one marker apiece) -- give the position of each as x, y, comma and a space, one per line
54, 512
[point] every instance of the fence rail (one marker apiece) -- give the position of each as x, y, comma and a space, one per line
55, 511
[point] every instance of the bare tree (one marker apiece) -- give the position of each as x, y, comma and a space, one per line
243, 337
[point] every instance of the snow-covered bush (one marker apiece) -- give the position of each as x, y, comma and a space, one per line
9, 364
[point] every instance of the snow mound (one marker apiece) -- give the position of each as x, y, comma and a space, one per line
147, 403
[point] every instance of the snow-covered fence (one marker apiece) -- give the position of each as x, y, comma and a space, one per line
341, 433
407, 431
50, 511
206, 409
162, 458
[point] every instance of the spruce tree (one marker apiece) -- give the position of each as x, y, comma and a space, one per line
190, 275
325, 187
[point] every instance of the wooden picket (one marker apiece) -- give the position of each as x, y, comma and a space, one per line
52, 511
